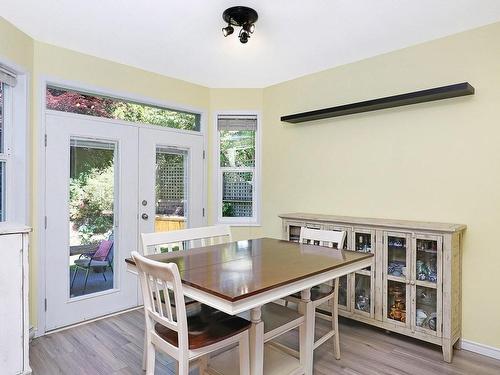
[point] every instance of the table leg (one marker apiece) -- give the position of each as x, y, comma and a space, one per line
256, 342
306, 332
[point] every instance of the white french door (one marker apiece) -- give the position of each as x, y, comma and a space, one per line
171, 179
106, 182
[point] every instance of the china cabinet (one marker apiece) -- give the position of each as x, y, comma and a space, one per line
413, 286
14, 322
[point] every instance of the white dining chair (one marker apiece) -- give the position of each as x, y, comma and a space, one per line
327, 292
180, 240
184, 239
174, 333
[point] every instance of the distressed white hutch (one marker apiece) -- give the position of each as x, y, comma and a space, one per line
14, 321
414, 284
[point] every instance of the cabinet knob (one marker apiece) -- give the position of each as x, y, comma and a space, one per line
412, 282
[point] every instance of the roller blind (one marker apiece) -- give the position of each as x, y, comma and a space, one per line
7, 76
230, 122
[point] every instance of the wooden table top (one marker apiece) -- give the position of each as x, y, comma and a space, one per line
237, 270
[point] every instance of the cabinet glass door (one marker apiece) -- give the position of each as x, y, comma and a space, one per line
362, 281
427, 275
397, 257
344, 281
397, 301
362, 293
397, 278
343, 293
293, 231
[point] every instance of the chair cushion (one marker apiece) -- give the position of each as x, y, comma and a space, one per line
103, 250
207, 327
318, 292
84, 263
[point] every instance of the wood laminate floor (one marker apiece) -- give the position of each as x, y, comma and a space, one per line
113, 346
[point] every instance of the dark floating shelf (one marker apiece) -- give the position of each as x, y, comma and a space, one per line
437, 93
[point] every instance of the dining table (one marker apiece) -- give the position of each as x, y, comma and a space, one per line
243, 276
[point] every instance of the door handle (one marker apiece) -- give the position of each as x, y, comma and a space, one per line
145, 216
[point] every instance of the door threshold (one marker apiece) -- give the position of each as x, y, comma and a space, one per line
92, 320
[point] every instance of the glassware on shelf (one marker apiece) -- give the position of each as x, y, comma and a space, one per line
363, 242
426, 308
426, 263
362, 292
396, 256
396, 301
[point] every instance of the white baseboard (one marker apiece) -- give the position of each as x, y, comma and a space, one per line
478, 348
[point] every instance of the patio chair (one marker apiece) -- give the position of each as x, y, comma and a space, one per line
185, 338
101, 259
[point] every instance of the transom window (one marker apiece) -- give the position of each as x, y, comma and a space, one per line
65, 100
237, 169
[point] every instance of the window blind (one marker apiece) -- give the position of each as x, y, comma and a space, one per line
7, 76
229, 122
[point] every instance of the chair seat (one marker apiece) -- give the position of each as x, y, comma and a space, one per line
84, 262
207, 327
318, 292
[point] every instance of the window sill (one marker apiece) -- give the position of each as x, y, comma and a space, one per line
238, 224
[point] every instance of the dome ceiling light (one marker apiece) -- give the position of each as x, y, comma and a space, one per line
240, 16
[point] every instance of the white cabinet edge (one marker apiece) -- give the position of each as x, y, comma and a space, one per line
10, 228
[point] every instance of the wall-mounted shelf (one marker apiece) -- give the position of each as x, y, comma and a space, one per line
437, 93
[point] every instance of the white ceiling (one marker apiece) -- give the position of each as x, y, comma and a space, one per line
183, 39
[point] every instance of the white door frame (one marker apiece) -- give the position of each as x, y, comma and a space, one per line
39, 217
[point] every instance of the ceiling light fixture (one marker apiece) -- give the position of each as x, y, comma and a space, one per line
240, 16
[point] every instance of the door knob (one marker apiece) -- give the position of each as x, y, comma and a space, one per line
144, 216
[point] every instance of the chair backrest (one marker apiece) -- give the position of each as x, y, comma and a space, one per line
153, 243
104, 250
329, 238
155, 277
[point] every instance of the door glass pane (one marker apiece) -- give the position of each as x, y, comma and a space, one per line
426, 311
343, 290
426, 264
362, 292
396, 256
237, 194
92, 194
396, 301
171, 189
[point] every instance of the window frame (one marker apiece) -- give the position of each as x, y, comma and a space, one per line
255, 220
15, 153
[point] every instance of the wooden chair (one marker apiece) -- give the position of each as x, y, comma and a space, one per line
324, 293
185, 338
180, 240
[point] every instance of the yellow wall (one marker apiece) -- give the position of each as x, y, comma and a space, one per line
434, 161
15, 46
223, 100
438, 161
